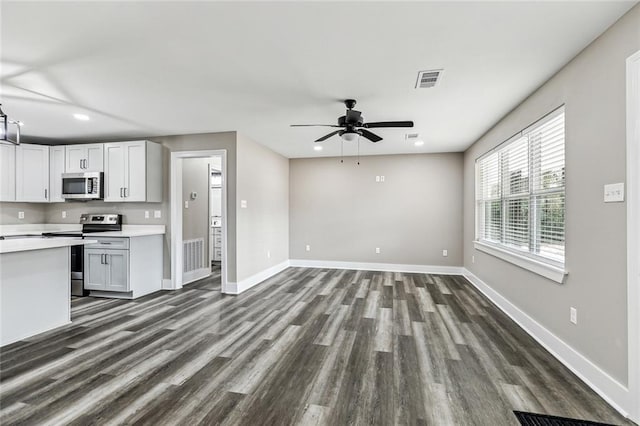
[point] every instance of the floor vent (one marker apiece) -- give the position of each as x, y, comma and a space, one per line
428, 78
193, 254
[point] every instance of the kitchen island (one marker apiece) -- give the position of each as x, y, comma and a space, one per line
35, 286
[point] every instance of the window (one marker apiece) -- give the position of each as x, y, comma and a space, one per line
520, 193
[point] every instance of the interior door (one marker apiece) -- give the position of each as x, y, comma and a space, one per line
32, 177
95, 270
114, 164
75, 156
117, 270
136, 171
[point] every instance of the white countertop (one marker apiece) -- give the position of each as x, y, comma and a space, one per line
132, 231
25, 244
38, 229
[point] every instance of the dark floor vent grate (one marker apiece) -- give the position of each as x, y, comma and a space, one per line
533, 419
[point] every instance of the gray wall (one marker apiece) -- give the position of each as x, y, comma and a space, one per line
263, 181
33, 213
344, 214
195, 219
593, 88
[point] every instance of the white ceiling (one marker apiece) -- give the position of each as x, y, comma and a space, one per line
145, 69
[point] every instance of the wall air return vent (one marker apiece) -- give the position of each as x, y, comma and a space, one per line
428, 78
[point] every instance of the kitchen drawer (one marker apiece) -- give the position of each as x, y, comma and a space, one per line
217, 239
108, 243
217, 231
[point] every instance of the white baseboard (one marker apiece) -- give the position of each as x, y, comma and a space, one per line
612, 391
365, 266
236, 288
167, 284
195, 275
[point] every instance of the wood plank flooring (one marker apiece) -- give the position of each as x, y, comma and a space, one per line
307, 347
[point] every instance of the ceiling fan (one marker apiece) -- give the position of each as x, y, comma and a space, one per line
352, 125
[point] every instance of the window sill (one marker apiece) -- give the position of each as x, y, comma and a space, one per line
554, 273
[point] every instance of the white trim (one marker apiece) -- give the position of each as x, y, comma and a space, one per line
612, 391
195, 275
255, 279
365, 266
176, 213
546, 270
633, 232
166, 284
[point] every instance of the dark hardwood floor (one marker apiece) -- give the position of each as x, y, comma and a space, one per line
309, 346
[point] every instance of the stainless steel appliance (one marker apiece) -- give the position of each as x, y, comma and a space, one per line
91, 223
83, 186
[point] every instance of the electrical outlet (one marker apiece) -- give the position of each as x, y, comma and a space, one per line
268, 254
614, 193
445, 253
186, 204
381, 178
20, 215
157, 214
473, 259
308, 247
146, 214
573, 315
377, 178
64, 214
243, 204
377, 250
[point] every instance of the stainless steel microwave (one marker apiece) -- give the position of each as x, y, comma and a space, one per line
83, 186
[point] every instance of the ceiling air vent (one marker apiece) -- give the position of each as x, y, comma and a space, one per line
428, 78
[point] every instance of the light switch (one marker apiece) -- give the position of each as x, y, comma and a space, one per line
20, 215
64, 214
243, 204
186, 204
614, 193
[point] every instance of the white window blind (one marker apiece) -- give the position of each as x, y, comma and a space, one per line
520, 192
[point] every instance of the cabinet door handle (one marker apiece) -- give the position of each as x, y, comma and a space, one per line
106, 259
102, 259
84, 164
126, 192
45, 194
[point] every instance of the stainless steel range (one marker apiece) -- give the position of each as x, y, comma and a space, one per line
91, 223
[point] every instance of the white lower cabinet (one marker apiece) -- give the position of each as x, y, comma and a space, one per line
106, 270
123, 267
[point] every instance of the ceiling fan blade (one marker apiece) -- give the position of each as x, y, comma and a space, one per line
312, 125
352, 116
388, 124
325, 137
371, 136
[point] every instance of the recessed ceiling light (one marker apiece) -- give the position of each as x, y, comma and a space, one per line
81, 117
418, 143
317, 148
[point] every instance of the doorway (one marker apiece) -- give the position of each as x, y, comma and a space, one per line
198, 239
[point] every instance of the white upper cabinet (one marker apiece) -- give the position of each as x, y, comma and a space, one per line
56, 169
133, 171
32, 173
84, 158
7, 172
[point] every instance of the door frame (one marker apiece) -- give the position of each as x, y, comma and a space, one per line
176, 213
633, 233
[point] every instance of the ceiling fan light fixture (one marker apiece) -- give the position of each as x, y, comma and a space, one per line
4, 128
349, 136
